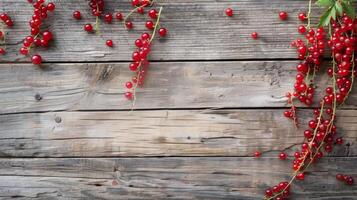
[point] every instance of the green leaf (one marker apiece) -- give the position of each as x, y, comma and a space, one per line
325, 3
349, 9
326, 17
339, 8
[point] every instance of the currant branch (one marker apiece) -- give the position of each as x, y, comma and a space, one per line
341, 23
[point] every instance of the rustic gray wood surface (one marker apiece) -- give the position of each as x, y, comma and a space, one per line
213, 96
198, 30
160, 133
239, 84
166, 178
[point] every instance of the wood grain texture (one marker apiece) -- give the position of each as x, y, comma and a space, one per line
198, 30
160, 133
169, 85
168, 178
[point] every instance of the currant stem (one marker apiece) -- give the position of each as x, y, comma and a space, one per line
97, 22
135, 9
309, 15
156, 24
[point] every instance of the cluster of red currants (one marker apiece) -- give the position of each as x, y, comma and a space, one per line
345, 178
343, 47
311, 53
140, 63
322, 133
37, 37
9, 23
282, 187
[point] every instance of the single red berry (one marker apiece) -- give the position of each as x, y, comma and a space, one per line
36, 59
268, 193
4, 17
129, 85
152, 14
108, 18
283, 15
129, 95
2, 51
339, 140
9, 23
229, 12
302, 29
140, 10
77, 15
136, 56
282, 156
162, 32
24, 51
145, 36
138, 43
109, 43
349, 180
119, 16
149, 24
129, 25
340, 177
254, 35
300, 176
51, 6
1, 34
88, 28
257, 154
135, 2
302, 16
47, 35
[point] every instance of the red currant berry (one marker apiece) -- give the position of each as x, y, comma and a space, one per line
300, 176
77, 15
152, 14
129, 25
47, 35
140, 10
88, 28
24, 51
340, 177
2, 51
51, 7
129, 95
254, 35
257, 154
109, 43
339, 140
302, 29
135, 2
129, 85
149, 24
268, 193
283, 15
282, 156
229, 12
145, 36
119, 16
108, 18
36, 59
302, 16
162, 32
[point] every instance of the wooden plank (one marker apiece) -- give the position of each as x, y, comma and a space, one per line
160, 133
169, 85
198, 30
168, 178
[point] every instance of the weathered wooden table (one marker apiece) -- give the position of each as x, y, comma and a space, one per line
213, 97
